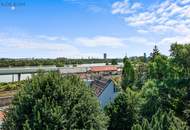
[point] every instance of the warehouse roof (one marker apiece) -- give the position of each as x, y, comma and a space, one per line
73, 70
103, 68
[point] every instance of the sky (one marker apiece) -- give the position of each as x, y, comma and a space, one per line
89, 28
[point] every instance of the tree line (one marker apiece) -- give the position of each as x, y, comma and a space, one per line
59, 62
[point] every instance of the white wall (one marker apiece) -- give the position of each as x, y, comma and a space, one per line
108, 95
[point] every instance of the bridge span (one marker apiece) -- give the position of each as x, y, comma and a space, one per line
25, 70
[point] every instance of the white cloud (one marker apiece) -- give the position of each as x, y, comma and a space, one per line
141, 19
170, 18
178, 39
166, 16
108, 41
136, 5
139, 40
142, 31
121, 4
184, 1
52, 38
124, 7
52, 46
35, 44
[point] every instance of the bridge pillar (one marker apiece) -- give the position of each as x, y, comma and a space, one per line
12, 77
19, 76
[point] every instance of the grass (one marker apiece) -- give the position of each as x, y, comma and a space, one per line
11, 86
7, 93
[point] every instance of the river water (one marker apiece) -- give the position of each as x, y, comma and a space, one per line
9, 78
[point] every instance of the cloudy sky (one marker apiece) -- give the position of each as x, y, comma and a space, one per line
88, 28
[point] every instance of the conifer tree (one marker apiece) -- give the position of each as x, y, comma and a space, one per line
128, 74
155, 52
162, 121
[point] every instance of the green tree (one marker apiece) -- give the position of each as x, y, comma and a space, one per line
181, 56
155, 52
114, 61
186, 104
162, 121
150, 94
128, 74
159, 68
124, 111
50, 101
141, 74
107, 62
145, 126
137, 127
187, 113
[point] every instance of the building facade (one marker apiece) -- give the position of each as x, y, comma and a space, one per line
105, 90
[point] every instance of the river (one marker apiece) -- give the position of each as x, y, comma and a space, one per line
8, 78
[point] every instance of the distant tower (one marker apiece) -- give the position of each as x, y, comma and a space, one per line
125, 55
105, 56
145, 58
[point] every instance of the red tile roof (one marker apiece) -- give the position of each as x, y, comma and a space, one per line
103, 68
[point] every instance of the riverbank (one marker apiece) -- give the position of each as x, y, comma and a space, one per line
10, 86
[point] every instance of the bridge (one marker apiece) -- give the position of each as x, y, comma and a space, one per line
25, 70
85, 69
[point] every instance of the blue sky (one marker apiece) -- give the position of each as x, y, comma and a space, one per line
88, 28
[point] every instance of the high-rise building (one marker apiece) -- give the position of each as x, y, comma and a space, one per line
105, 56
145, 58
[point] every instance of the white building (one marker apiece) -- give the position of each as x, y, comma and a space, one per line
105, 90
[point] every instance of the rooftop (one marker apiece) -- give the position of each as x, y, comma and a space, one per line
103, 68
72, 70
99, 85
